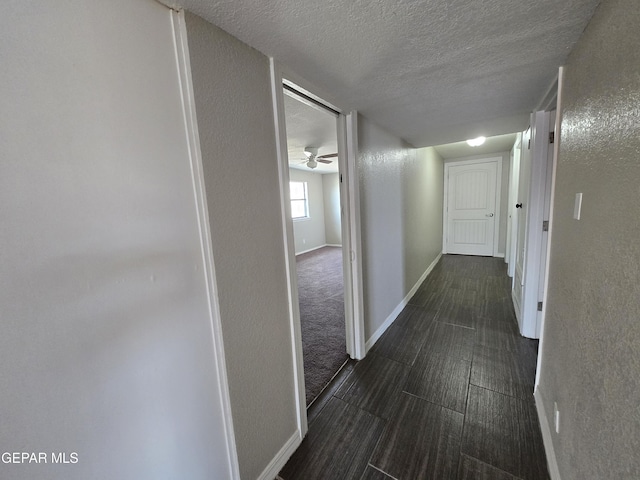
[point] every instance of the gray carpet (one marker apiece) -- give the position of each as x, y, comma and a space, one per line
321, 296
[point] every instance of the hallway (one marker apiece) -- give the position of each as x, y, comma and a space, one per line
446, 393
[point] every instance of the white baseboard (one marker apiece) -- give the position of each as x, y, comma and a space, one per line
499, 255
386, 324
281, 458
545, 427
396, 311
516, 309
310, 250
318, 248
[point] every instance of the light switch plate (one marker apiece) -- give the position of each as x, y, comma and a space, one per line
577, 207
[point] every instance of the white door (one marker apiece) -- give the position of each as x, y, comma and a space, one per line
545, 176
534, 199
522, 206
470, 211
512, 221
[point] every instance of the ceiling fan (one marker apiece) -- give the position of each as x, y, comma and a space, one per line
312, 157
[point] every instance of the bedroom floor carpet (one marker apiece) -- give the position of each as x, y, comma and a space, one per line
321, 298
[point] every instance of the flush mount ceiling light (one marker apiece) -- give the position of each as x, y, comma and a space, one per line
476, 142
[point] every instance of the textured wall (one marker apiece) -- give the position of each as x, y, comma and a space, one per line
504, 193
310, 232
332, 219
401, 217
422, 198
235, 120
106, 344
591, 349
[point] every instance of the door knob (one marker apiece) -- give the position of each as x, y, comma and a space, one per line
518, 205
489, 215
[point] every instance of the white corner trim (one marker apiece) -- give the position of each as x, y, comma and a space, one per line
545, 427
197, 176
282, 457
499, 255
396, 311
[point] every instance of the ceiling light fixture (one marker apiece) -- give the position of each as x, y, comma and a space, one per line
476, 142
310, 152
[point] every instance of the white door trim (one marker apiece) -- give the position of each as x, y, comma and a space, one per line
195, 156
349, 194
552, 194
352, 229
277, 96
445, 216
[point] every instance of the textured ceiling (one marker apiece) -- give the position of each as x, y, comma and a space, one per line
430, 71
499, 143
310, 127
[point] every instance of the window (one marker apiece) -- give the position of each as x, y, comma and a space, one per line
299, 200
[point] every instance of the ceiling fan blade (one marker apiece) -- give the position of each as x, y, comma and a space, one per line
327, 155
322, 160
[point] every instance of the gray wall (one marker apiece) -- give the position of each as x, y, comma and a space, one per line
423, 194
106, 347
591, 346
309, 233
401, 216
332, 220
235, 120
504, 193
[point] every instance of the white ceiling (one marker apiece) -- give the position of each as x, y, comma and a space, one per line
499, 143
430, 71
309, 126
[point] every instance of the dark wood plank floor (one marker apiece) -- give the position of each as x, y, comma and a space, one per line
446, 393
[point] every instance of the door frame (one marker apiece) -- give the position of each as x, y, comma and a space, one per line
552, 194
346, 127
445, 207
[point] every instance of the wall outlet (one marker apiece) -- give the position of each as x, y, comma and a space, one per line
556, 417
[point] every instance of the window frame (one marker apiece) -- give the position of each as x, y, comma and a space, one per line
304, 199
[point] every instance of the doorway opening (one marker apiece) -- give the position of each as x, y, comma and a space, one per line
320, 155
314, 187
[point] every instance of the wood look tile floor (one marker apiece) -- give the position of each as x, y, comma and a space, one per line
446, 392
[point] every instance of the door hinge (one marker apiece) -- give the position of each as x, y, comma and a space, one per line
552, 136
539, 306
529, 145
545, 225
